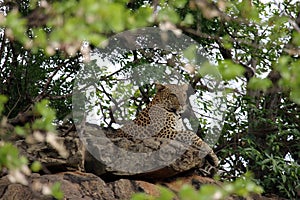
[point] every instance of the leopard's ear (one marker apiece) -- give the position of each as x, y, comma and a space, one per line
159, 86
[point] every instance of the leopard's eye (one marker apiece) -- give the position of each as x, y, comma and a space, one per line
173, 96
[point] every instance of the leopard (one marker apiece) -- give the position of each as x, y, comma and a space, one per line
162, 118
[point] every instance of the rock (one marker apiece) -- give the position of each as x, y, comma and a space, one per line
104, 182
50, 158
147, 159
74, 185
77, 185
85, 186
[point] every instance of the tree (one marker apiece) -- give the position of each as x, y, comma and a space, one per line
254, 44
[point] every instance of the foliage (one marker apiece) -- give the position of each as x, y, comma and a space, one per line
56, 191
273, 156
10, 158
85, 20
243, 186
3, 100
47, 117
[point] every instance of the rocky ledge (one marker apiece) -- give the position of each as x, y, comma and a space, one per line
83, 177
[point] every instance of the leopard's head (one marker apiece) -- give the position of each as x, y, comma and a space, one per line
171, 97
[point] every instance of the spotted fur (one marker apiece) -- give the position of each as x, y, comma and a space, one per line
162, 118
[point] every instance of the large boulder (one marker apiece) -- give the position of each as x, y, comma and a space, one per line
147, 159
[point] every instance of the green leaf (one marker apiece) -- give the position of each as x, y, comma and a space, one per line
178, 3
296, 38
116, 20
33, 4
36, 166
188, 19
210, 192
56, 191
230, 70
295, 96
260, 84
141, 17
168, 14
3, 100
16, 26
227, 42
283, 66
141, 196
188, 192
96, 39
9, 157
210, 70
47, 116
165, 194
190, 53
248, 10
20, 130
